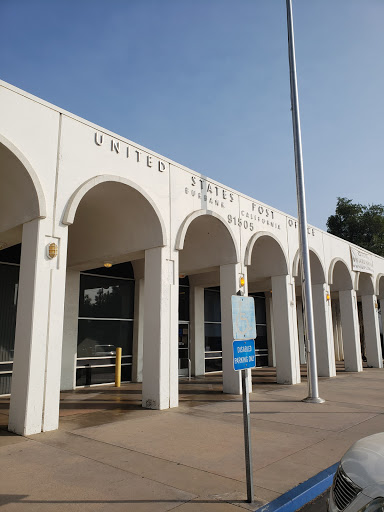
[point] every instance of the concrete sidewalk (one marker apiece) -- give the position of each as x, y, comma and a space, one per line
109, 454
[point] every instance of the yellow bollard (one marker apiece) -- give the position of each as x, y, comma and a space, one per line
118, 367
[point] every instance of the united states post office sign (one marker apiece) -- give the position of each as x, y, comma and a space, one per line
361, 261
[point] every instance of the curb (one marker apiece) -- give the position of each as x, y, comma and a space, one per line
303, 493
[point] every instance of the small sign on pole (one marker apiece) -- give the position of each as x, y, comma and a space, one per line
244, 334
243, 318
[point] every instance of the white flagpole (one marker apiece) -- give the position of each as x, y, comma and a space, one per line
313, 388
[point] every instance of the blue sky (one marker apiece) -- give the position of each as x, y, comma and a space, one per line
206, 83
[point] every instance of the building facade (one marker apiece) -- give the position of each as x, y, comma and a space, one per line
104, 243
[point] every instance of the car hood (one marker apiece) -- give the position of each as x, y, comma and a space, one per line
364, 461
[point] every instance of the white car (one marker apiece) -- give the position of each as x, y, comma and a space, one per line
358, 485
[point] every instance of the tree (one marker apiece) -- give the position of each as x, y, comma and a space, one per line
359, 224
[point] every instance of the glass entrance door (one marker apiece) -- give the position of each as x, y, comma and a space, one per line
106, 313
184, 359
261, 344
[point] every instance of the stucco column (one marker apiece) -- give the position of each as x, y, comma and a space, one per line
197, 330
229, 285
300, 331
350, 331
371, 331
173, 273
160, 350
39, 329
285, 330
138, 328
70, 330
55, 333
325, 351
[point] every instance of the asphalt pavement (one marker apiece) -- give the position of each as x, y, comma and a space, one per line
317, 505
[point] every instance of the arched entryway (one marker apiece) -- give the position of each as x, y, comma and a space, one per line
380, 298
345, 316
369, 321
209, 257
268, 273
120, 274
24, 290
322, 315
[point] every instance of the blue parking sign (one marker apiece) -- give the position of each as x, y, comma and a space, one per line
244, 354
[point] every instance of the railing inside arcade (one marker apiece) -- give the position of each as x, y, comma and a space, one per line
189, 366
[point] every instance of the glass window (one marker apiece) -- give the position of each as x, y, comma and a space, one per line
9, 289
212, 337
184, 303
5, 383
213, 365
261, 337
99, 338
261, 360
261, 343
11, 254
101, 375
212, 328
212, 308
103, 297
260, 310
9, 279
106, 311
183, 336
183, 347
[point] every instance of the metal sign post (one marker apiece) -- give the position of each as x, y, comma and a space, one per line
247, 436
244, 333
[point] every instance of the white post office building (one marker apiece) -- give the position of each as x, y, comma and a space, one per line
105, 244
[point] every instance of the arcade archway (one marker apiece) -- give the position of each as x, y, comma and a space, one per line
368, 309
267, 271
322, 315
24, 300
117, 265
209, 257
345, 316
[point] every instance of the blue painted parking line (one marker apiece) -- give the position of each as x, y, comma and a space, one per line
303, 493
